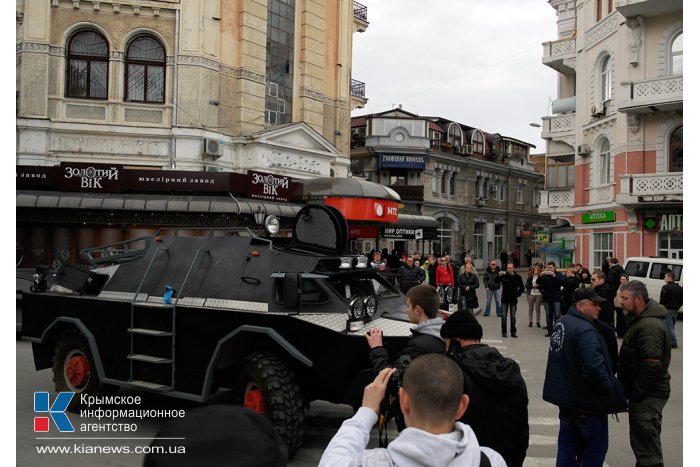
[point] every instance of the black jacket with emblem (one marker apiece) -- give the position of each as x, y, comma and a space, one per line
580, 375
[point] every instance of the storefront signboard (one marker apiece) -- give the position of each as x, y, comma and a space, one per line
272, 187
363, 231
80, 176
364, 209
401, 161
597, 217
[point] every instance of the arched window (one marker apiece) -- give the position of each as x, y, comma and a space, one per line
605, 162
676, 150
677, 55
454, 135
145, 71
88, 65
605, 79
477, 142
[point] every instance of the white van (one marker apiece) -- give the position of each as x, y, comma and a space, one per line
651, 271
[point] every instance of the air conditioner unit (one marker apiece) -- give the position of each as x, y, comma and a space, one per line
583, 149
597, 109
212, 149
214, 169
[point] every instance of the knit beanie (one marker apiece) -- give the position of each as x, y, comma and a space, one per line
462, 325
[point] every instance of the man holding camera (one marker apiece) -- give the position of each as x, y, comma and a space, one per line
431, 400
422, 303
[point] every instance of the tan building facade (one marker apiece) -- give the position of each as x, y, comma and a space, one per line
187, 84
614, 156
182, 88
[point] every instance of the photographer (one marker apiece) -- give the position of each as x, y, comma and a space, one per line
422, 302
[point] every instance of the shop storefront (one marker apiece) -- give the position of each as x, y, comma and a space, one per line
64, 209
667, 224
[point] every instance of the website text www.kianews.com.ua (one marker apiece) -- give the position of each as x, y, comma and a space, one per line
81, 448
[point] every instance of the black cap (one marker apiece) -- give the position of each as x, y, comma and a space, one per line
587, 294
461, 324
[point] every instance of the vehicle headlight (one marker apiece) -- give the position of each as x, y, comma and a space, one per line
356, 308
346, 262
370, 305
449, 293
362, 262
272, 224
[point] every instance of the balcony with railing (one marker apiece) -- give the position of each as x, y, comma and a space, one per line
559, 127
556, 200
632, 8
359, 12
560, 55
357, 94
665, 93
650, 188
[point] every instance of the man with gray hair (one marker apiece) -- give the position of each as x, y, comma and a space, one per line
645, 356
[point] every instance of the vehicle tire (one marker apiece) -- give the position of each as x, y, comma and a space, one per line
74, 368
266, 385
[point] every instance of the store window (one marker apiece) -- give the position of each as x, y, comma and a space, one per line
670, 245
478, 240
602, 248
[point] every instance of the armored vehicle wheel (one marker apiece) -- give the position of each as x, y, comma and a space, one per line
267, 386
73, 368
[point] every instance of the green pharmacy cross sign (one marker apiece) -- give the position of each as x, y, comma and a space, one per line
651, 223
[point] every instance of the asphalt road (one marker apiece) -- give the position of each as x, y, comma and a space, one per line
323, 419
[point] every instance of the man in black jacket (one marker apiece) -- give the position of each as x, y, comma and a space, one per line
512, 289
613, 275
580, 380
607, 308
496, 389
411, 274
672, 298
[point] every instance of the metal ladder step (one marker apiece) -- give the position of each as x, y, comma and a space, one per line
148, 358
152, 386
149, 332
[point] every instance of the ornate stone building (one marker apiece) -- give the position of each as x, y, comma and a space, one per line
614, 156
186, 85
480, 187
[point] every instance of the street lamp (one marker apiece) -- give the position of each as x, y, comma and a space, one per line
259, 215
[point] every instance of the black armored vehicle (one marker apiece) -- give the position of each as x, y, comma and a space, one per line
279, 322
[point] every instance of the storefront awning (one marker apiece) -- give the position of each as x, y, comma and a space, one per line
147, 202
417, 221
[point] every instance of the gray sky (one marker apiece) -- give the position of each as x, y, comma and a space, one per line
478, 62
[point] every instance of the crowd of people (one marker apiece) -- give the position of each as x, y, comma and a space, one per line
588, 376
460, 402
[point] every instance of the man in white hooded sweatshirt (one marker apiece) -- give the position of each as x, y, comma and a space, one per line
431, 399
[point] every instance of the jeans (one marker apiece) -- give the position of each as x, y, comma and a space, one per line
508, 307
496, 294
645, 430
553, 311
464, 300
583, 440
671, 317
